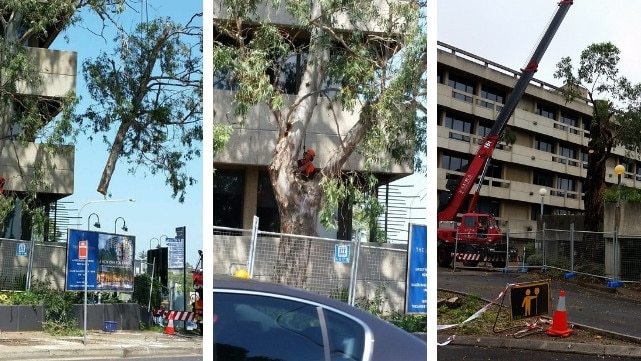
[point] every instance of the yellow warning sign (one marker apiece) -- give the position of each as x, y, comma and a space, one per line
530, 299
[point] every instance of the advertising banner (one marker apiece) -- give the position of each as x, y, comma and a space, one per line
416, 285
109, 257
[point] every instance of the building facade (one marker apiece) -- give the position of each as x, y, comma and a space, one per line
22, 163
242, 187
542, 171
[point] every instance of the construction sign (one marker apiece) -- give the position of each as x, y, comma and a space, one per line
530, 299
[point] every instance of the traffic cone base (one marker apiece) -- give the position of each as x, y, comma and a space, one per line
560, 321
170, 327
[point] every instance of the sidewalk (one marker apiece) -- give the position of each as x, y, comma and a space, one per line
590, 306
120, 344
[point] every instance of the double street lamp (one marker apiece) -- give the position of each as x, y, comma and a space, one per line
97, 224
124, 225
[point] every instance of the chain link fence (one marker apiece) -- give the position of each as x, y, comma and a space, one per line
356, 272
24, 262
615, 258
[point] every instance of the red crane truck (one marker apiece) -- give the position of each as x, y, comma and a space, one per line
476, 237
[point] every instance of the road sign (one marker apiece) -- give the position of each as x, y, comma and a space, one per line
341, 253
82, 249
530, 299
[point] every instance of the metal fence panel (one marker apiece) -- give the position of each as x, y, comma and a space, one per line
381, 270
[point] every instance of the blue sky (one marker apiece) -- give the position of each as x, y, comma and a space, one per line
154, 214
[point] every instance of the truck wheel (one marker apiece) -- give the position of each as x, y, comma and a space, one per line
444, 257
469, 250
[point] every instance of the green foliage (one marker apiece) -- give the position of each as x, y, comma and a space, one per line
58, 305
142, 284
410, 323
341, 294
149, 89
616, 118
373, 305
628, 194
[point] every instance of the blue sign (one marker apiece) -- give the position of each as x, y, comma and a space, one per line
21, 249
341, 253
110, 262
416, 285
176, 252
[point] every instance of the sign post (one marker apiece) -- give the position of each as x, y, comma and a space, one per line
82, 254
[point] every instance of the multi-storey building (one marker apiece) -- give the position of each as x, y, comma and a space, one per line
549, 151
242, 188
19, 161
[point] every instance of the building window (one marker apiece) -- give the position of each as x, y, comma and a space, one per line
546, 111
489, 206
543, 179
565, 184
461, 86
568, 155
569, 122
483, 129
228, 199
638, 173
224, 79
460, 125
451, 162
495, 96
266, 206
543, 144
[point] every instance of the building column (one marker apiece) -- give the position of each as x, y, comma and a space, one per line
250, 197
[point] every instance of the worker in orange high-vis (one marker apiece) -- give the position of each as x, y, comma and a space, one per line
305, 165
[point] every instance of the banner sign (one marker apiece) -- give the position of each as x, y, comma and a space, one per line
176, 254
109, 257
416, 283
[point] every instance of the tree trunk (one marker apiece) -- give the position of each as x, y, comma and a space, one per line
299, 202
114, 153
599, 149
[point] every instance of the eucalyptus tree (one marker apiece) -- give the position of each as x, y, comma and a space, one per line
616, 121
154, 99
26, 116
149, 90
379, 73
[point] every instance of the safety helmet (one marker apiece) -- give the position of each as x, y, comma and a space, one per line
310, 152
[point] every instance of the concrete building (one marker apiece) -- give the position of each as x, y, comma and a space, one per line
242, 187
18, 161
550, 151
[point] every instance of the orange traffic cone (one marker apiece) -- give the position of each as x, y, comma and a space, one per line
169, 329
560, 321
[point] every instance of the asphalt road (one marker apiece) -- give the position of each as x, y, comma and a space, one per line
595, 306
476, 353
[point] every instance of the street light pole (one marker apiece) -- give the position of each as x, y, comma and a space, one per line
97, 224
124, 224
152, 240
619, 170
542, 192
101, 201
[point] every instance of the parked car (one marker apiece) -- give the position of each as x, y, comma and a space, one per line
265, 321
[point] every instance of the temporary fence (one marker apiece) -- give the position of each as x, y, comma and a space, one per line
23, 262
352, 271
615, 258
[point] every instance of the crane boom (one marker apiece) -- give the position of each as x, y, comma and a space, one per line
478, 165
